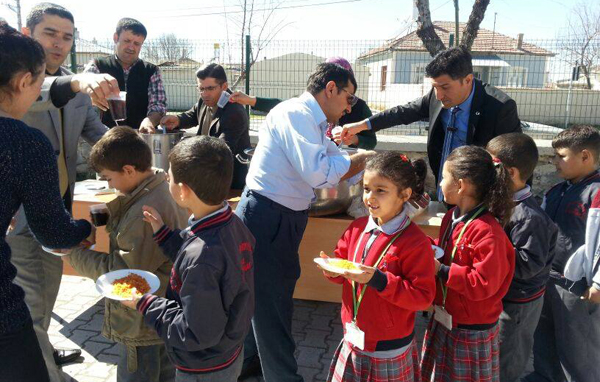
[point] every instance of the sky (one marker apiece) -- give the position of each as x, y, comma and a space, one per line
303, 19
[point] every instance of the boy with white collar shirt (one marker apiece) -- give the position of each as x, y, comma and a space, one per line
533, 235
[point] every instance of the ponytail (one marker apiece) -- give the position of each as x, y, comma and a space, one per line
400, 170
499, 199
490, 178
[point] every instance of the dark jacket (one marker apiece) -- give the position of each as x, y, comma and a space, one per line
29, 177
493, 113
210, 299
567, 205
367, 139
230, 124
137, 85
533, 234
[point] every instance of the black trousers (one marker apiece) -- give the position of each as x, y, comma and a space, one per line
21, 358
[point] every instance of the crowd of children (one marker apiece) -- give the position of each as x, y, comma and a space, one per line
508, 281
498, 291
489, 290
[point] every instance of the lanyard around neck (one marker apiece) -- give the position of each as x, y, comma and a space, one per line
460, 235
358, 301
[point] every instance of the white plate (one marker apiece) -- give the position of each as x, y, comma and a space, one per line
104, 283
325, 264
438, 252
55, 253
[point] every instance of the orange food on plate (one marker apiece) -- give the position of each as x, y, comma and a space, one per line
122, 287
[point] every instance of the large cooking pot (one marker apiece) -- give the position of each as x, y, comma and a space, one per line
329, 201
161, 145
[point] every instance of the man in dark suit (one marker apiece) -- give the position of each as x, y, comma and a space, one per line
461, 110
217, 117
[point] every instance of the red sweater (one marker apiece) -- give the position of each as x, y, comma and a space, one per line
481, 272
410, 271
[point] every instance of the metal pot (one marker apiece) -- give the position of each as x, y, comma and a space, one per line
329, 201
161, 145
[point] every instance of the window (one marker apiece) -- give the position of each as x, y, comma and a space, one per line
383, 77
417, 73
517, 77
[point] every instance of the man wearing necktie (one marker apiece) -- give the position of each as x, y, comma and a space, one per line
461, 110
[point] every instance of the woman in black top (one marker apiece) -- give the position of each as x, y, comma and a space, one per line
28, 176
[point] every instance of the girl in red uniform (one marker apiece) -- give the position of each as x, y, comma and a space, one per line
379, 305
461, 342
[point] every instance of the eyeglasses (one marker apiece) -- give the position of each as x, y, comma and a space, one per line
207, 89
352, 99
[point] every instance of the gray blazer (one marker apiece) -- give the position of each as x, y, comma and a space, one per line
80, 121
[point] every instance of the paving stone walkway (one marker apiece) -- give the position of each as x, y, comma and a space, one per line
77, 323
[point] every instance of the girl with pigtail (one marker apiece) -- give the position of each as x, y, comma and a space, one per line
461, 342
396, 279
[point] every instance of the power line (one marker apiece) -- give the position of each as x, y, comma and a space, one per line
264, 9
223, 6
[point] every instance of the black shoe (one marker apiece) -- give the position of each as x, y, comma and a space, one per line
64, 356
251, 368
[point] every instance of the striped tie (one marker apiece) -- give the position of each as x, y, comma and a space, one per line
447, 149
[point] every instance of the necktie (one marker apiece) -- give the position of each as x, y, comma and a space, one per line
447, 148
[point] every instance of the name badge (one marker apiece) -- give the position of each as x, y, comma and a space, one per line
443, 317
355, 336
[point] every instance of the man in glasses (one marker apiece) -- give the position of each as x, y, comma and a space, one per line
292, 158
217, 117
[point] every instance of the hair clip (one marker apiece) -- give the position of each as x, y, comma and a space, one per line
497, 161
404, 158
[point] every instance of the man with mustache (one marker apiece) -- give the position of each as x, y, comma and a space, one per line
146, 97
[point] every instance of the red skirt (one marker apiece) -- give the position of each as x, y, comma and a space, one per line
350, 365
460, 354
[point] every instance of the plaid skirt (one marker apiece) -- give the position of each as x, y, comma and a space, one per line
460, 354
350, 365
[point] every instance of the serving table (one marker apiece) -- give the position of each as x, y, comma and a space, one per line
322, 234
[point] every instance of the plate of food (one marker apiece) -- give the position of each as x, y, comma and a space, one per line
438, 252
118, 285
340, 266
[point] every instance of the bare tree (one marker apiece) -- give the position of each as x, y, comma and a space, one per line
256, 19
432, 41
582, 44
168, 47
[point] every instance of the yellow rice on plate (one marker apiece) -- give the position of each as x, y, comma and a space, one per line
122, 287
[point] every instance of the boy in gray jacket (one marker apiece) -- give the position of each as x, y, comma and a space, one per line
124, 160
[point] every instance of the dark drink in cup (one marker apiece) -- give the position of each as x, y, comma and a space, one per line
99, 214
118, 107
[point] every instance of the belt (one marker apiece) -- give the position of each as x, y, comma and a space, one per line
274, 204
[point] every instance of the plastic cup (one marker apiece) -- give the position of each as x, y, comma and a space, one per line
118, 107
99, 214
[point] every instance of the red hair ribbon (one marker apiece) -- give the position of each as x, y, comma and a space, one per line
404, 158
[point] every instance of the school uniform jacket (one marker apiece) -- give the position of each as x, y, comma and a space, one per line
481, 272
210, 298
568, 205
533, 235
387, 313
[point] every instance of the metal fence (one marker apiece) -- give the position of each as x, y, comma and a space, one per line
538, 74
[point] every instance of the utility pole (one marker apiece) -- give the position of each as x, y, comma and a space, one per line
456, 27
494, 31
16, 8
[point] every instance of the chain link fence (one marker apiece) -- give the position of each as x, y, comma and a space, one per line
545, 77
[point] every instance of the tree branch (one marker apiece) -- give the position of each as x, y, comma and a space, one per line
477, 14
426, 32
